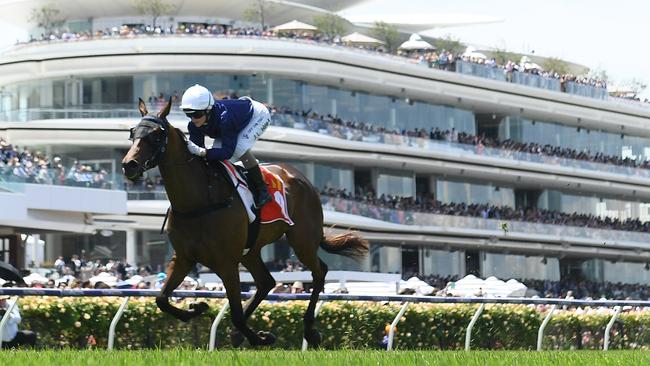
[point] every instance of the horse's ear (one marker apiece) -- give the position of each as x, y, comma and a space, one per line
142, 107
166, 109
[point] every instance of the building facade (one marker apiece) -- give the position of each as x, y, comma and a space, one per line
399, 150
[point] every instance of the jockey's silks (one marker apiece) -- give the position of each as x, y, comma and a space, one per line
227, 118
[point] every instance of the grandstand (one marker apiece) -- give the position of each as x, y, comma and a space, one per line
536, 175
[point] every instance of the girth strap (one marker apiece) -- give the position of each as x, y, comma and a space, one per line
203, 210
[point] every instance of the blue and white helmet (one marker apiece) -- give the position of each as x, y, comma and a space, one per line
197, 98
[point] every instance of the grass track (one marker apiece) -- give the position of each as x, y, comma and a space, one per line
343, 358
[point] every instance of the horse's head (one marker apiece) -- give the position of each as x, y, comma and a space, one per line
149, 141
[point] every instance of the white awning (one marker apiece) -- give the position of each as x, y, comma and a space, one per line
294, 25
358, 38
416, 42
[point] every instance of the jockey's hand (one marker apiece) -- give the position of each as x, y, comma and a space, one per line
196, 149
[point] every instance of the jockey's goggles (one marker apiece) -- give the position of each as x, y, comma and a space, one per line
194, 114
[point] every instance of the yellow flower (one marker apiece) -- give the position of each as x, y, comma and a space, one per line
77, 324
86, 316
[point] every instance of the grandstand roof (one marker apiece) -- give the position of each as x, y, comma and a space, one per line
17, 12
420, 22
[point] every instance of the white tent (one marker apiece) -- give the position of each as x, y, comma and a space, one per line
35, 278
360, 39
416, 42
471, 52
104, 277
294, 25
470, 285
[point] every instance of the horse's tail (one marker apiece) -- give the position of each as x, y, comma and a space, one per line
347, 245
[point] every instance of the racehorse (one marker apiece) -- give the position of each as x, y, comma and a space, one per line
208, 224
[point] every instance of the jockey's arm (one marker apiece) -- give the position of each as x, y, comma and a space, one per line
196, 136
228, 144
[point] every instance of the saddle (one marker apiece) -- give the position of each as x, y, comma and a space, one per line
237, 178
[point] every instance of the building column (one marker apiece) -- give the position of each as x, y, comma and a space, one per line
36, 250
269, 90
131, 249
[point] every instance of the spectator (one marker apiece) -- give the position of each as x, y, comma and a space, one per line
12, 337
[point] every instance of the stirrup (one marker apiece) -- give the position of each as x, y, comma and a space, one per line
263, 199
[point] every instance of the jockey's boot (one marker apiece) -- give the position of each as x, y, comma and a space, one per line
259, 188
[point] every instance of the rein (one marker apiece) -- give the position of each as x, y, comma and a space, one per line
155, 160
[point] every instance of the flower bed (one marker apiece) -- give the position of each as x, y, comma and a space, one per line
84, 322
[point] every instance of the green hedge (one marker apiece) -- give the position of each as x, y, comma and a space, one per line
68, 322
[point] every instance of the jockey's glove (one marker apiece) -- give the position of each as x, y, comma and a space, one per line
196, 149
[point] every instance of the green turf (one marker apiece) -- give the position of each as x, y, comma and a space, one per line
343, 358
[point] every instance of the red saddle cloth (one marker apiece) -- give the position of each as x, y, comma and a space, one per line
277, 208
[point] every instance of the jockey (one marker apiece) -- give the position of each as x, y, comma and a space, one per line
237, 122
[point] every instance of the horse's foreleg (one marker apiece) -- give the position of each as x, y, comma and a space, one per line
230, 277
177, 269
264, 282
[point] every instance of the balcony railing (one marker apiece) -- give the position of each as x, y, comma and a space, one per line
13, 176
532, 80
348, 133
405, 217
458, 149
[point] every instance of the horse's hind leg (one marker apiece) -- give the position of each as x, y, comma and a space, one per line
177, 269
230, 278
308, 255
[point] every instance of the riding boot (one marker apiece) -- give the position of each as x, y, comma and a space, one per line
258, 186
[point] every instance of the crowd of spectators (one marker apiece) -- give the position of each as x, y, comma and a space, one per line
27, 166
525, 66
440, 59
428, 204
76, 272
361, 130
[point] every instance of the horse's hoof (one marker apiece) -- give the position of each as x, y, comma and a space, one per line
199, 307
236, 338
268, 338
313, 338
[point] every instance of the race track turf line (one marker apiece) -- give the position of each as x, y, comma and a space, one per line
340, 357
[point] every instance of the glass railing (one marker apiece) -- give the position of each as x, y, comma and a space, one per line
82, 111
585, 90
484, 71
405, 217
157, 193
532, 80
495, 73
15, 176
535, 81
464, 150
327, 127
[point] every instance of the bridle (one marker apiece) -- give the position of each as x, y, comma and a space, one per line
143, 131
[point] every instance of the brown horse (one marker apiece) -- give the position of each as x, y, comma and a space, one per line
208, 224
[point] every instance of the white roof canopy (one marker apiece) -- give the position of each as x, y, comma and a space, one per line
416, 42
358, 38
294, 25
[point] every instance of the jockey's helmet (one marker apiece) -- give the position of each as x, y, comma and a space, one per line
197, 98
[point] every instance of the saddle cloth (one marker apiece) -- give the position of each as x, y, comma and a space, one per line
271, 211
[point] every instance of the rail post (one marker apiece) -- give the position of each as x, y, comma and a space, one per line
540, 332
316, 311
215, 325
468, 335
116, 319
5, 319
391, 331
617, 311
